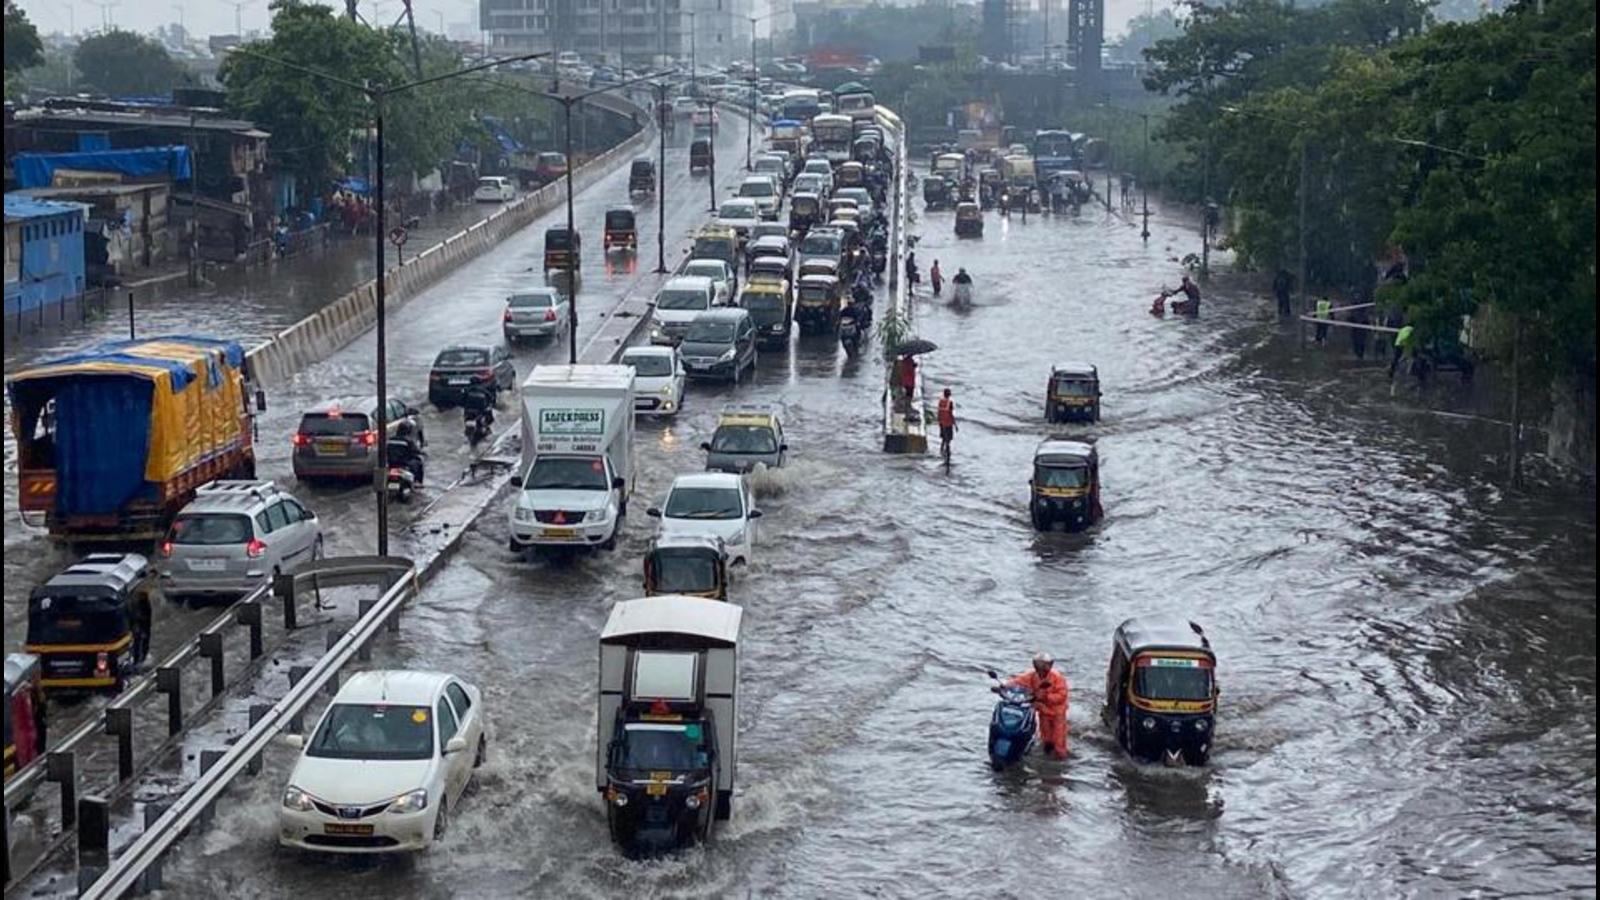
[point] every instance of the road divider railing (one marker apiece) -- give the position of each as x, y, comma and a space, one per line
903, 428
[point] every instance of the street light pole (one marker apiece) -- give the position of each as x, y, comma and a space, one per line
661, 177
712, 144
572, 247
1144, 187
1304, 308
750, 99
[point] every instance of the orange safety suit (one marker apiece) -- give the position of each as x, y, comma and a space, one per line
947, 413
1050, 693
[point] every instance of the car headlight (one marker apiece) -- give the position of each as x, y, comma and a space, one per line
692, 801
524, 515
1148, 724
595, 515
666, 390
296, 799
619, 798
410, 802
727, 356
1201, 725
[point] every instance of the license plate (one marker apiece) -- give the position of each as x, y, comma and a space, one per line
561, 532
656, 790
330, 448
457, 381
207, 565
341, 828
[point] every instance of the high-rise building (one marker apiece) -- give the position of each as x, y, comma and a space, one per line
635, 32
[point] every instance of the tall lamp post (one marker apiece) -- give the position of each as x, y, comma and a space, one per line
378, 95
661, 176
711, 104
1144, 187
749, 161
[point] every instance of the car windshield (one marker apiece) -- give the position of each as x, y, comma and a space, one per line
211, 529
710, 333
558, 473
1071, 387
333, 425
667, 748
737, 211
820, 244
489, 183
684, 573
682, 299
532, 301
374, 731
762, 188
763, 301
649, 365
809, 294
704, 503
461, 359
1061, 477
1172, 679
743, 439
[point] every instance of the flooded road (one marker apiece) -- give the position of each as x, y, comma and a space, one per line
1406, 652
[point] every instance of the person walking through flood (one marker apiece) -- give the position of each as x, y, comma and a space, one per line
1359, 319
1282, 285
1324, 313
1050, 695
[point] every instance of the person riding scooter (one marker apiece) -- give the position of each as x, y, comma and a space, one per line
405, 450
1050, 694
477, 414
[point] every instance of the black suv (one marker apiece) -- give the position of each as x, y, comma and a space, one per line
463, 366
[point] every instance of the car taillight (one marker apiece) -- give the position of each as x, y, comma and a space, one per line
367, 438
166, 549
549, 315
255, 548
301, 439
507, 316
486, 374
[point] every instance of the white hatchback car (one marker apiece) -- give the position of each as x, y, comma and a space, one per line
494, 189
658, 379
713, 504
389, 759
721, 275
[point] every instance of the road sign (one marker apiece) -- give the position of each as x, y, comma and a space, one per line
397, 236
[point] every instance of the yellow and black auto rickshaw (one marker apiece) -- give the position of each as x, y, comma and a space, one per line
770, 302
24, 712
1073, 394
1065, 487
699, 155
562, 249
969, 220
1161, 690
991, 184
696, 565
90, 623
620, 233
819, 303
851, 174
805, 210
642, 178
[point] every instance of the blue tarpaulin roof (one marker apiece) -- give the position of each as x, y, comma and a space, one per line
355, 184
22, 206
38, 169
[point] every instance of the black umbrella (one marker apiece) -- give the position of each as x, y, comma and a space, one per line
915, 346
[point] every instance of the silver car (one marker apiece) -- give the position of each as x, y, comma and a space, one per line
234, 536
536, 312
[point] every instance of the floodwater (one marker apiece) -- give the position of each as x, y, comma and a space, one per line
1406, 651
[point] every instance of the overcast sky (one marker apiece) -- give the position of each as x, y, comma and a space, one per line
206, 17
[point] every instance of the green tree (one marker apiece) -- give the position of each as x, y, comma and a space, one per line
124, 63
1143, 33
23, 49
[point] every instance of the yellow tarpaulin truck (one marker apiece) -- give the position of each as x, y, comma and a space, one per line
112, 442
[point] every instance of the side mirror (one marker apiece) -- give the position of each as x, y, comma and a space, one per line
619, 483
706, 446
993, 674
413, 411
261, 400
455, 745
783, 448
653, 512
755, 514
294, 741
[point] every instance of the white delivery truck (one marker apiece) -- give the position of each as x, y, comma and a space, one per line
576, 472
668, 742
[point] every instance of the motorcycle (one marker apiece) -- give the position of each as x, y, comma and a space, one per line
962, 295
405, 469
1012, 726
849, 333
475, 425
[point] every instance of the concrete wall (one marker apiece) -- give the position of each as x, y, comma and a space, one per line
322, 333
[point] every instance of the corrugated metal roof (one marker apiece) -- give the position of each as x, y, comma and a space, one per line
134, 120
21, 206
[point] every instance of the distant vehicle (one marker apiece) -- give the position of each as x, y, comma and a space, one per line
386, 765
764, 191
658, 381
713, 504
642, 178
234, 536
739, 214
676, 305
684, 106
461, 367
549, 166
747, 435
699, 155
339, 438
536, 312
494, 189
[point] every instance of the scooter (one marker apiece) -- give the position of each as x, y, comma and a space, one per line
962, 294
405, 470
475, 426
849, 333
1012, 726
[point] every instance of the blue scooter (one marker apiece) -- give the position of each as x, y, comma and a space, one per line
1013, 725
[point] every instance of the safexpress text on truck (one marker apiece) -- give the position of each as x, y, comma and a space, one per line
577, 456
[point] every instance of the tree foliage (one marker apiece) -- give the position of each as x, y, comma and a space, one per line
23, 49
123, 63
1144, 31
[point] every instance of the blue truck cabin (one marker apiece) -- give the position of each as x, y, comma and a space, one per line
44, 253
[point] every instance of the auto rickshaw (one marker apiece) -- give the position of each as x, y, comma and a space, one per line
770, 302
699, 155
90, 623
1065, 486
850, 174
696, 565
819, 265
620, 233
770, 268
935, 193
969, 220
864, 149
805, 209
819, 304
1161, 690
642, 178
24, 712
1073, 393
562, 249
990, 185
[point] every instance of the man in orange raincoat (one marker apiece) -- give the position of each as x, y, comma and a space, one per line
1049, 689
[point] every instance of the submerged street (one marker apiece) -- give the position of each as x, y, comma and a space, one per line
1405, 651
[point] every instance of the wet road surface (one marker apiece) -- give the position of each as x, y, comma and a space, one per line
1406, 653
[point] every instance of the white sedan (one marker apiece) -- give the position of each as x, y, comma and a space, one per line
721, 275
385, 766
712, 504
658, 379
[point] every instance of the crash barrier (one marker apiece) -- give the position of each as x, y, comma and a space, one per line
320, 334
67, 762
902, 432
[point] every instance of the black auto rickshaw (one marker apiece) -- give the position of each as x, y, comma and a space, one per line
1161, 690
90, 623
696, 565
804, 211
967, 192
562, 249
699, 155
620, 232
969, 220
1073, 393
935, 192
1065, 486
819, 304
850, 174
24, 712
642, 178
990, 185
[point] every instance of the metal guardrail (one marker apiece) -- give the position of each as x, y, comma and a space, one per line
60, 764
895, 440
